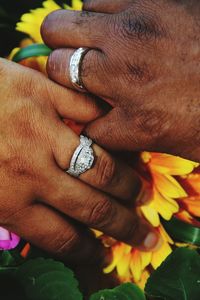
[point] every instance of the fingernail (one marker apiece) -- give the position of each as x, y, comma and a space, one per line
152, 241
144, 196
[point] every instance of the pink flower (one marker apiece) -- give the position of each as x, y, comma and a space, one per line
8, 240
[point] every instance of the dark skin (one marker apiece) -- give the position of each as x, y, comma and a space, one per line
144, 63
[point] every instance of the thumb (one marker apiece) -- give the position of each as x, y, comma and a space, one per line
112, 131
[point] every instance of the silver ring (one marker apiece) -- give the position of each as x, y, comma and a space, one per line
75, 68
83, 157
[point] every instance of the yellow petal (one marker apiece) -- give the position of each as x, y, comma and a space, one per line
168, 186
160, 255
31, 22
171, 165
150, 214
165, 206
165, 236
146, 156
12, 54
145, 259
136, 265
118, 252
143, 280
77, 4
123, 265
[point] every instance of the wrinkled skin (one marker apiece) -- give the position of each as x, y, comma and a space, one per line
144, 61
38, 200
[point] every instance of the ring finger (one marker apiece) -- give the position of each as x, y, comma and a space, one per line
107, 174
84, 203
93, 65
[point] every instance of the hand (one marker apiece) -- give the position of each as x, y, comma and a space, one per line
144, 61
38, 199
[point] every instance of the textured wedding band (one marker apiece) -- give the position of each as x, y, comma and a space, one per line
75, 67
83, 157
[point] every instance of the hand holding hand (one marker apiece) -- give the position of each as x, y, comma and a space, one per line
144, 60
38, 200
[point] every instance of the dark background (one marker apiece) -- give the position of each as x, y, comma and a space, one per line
10, 13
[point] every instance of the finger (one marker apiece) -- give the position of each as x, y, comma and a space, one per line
112, 132
55, 234
105, 6
72, 105
64, 101
93, 74
65, 28
97, 210
107, 174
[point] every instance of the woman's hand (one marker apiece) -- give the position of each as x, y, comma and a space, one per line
144, 61
38, 199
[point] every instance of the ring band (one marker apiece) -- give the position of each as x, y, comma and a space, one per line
83, 157
75, 68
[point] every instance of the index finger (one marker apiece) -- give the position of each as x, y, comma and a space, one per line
67, 103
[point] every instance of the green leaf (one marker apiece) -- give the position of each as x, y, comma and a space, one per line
46, 279
10, 258
182, 231
178, 278
34, 50
6, 259
126, 291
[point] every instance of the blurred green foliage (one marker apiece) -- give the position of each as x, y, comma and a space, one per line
10, 13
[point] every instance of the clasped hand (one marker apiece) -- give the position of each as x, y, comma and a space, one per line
38, 200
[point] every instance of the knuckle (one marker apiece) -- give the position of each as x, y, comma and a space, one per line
101, 214
15, 212
130, 231
18, 168
139, 26
52, 65
66, 243
105, 170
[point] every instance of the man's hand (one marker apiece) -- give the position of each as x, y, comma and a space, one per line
144, 61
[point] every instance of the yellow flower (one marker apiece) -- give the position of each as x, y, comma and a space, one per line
31, 22
159, 205
132, 264
166, 189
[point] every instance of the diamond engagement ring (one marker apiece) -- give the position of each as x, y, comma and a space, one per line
83, 158
75, 68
